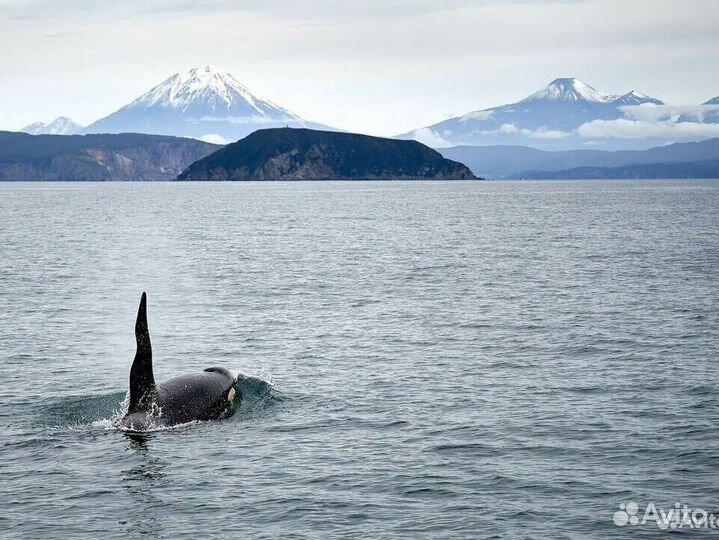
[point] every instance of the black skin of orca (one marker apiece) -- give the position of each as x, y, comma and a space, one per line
208, 395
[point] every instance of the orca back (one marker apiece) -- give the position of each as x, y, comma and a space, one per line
202, 396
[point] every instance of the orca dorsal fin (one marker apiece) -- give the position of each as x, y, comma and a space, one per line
142, 380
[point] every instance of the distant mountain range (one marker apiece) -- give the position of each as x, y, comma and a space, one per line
128, 156
209, 104
60, 126
306, 154
708, 168
570, 114
204, 103
679, 160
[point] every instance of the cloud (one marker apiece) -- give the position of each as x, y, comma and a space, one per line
594, 143
319, 10
239, 120
429, 137
505, 129
214, 138
624, 128
540, 133
544, 133
477, 115
640, 122
649, 112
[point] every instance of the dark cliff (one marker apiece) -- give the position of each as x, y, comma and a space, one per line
126, 156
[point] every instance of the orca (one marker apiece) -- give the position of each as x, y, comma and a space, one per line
208, 395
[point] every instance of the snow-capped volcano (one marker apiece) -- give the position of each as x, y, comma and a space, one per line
548, 118
569, 90
208, 89
204, 103
574, 90
60, 126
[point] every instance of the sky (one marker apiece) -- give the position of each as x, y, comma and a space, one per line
381, 67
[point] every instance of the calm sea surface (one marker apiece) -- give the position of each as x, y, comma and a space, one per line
424, 360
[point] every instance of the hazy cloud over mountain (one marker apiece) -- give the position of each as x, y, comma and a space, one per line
379, 66
657, 113
622, 128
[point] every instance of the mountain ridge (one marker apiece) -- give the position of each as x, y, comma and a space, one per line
127, 156
507, 161
707, 168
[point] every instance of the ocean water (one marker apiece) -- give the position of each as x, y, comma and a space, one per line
421, 360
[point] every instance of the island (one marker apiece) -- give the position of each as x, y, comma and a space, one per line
308, 154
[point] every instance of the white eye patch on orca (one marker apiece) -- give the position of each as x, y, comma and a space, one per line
231, 395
